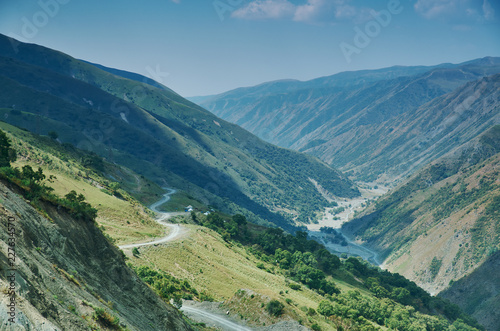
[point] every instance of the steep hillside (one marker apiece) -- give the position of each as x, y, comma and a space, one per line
160, 135
353, 120
443, 222
411, 140
104, 185
478, 294
248, 267
66, 272
225, 258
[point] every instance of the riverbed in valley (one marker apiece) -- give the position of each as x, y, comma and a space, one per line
332, 218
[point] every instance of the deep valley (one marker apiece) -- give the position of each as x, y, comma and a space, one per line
136, 209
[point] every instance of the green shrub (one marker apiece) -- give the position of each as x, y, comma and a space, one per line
168, 287
7, 154
204, 296
311, 312
435, 267
315, 327
275, 308
106, 319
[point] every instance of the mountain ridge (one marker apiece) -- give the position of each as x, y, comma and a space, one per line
169, 138
326, 121
130, 75
438, 226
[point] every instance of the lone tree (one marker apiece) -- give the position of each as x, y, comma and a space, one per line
275, 308
7, 154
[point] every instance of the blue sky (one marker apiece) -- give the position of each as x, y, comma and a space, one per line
204, 47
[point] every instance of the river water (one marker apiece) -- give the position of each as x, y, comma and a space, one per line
336, 221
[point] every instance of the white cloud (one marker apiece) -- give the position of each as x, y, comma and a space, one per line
345, 11
489, 12
265, 9
312, 11
455, 10
435, 8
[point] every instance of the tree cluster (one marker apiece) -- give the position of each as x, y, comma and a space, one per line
168, 287
33, 184
308, 262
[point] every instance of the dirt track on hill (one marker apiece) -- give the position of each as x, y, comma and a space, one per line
177, 230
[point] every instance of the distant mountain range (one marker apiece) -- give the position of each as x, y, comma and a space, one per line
431, 132
134, 121
363, 122
434, 130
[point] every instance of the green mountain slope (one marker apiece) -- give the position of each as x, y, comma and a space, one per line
254, 266
478, 294
58, 270
443, 222
76, 280
348, 119
159, 134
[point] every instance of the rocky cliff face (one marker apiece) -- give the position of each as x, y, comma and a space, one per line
66, 269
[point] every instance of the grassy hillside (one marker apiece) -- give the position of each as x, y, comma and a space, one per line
227, 258
162, 136
69, 277
248, 270
67, 274
443, 222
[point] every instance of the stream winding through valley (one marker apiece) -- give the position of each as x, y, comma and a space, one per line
336, 221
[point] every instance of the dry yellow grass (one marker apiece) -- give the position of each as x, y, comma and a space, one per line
126, 222
210, 264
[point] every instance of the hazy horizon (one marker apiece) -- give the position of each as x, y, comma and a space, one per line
201, 48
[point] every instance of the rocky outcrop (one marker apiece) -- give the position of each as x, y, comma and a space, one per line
64, 269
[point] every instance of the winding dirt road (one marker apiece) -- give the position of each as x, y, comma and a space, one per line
177, 230
217, 321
